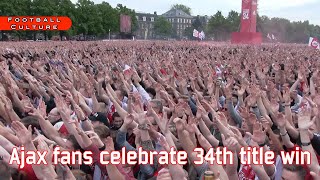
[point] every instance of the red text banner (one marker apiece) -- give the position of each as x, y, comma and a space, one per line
35, 23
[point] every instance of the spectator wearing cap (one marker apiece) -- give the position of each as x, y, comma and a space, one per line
99, 119
61, 129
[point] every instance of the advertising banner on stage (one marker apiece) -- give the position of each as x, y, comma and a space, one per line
246, 15
125, 23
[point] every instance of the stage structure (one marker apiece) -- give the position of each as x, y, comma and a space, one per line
248, 31
125, 27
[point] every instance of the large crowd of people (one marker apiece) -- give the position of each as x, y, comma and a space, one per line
103, 96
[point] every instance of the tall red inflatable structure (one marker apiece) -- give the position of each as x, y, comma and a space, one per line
248, 32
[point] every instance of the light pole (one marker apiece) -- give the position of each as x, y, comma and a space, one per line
109, 35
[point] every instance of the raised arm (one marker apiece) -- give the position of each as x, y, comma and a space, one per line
304, 123
281, 122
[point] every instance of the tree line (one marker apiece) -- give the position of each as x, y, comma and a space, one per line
220, 27
284, 30
88, 18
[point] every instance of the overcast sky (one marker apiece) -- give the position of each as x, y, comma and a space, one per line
291, 9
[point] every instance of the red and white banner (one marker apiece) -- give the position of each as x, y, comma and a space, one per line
314, 42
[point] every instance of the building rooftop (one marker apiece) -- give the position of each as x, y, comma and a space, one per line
172, 13
146, 14
176, 13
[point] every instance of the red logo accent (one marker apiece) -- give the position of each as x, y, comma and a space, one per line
315, 43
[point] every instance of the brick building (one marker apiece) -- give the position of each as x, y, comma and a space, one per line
178, 19
145, 25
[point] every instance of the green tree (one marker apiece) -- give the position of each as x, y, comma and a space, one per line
197, 24
126, 11
314, 31
188, 32
67, 8
43, 8
217, 27
182, 7
6, 9
111, 21
233, 20
88, 20
284, 30
261, 21
162, 27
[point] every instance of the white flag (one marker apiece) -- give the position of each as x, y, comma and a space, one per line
195, 33
313, 42
273, 37
269, 37
202, 35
